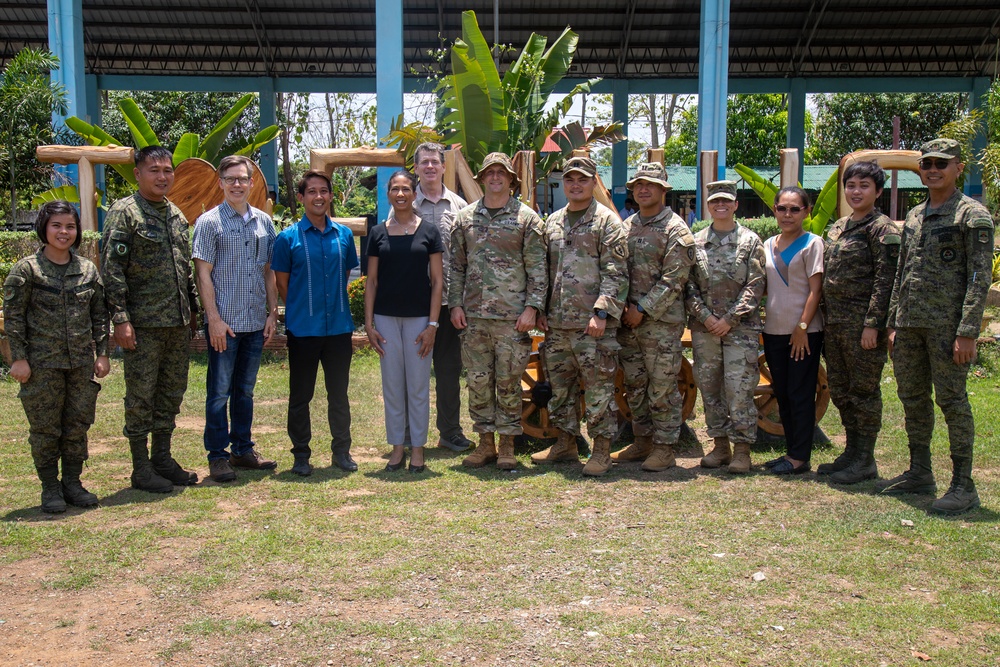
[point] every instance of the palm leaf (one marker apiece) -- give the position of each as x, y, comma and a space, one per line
64, 192
764, 188
212, 143
137, 124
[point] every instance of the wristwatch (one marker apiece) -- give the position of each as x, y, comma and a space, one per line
433, 324
803, 326
638, 307
601, 314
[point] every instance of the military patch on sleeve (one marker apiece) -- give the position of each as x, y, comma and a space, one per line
620, 250
690, 253
8, 292
121, 249
984, 236
947, 254
891, 239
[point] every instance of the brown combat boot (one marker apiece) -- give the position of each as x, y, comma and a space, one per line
600, 458
637, 451
740, 465
506, 459
661, 459
563, 451
719, 456
485, 453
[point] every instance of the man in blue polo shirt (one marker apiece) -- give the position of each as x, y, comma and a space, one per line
312, 260
232, 259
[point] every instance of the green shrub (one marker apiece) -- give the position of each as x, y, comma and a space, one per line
16, 245
765, 228
356, 294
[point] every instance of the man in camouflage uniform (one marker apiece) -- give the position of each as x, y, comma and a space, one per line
945, 266
660, 255
722, 298
496, 290
587, 250
860, 265
150, 291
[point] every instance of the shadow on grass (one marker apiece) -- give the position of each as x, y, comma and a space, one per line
920, 502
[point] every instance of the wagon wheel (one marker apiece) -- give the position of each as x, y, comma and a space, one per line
535, 420
685, 385
767, 405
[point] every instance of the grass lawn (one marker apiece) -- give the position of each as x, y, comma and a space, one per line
539, 566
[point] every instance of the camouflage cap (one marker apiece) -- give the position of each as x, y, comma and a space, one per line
497, 158
944, 148
651, 172
584, 165
721, 190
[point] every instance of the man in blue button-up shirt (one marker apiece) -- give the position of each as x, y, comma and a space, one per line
232, 259
311, 262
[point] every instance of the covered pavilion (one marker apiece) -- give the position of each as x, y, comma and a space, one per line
710, 47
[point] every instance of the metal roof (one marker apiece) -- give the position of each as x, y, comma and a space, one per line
814, 177
630, 39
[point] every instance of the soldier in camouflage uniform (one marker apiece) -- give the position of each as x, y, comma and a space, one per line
938, 298
57, 322
723, 302
860, 264
588, 282
660, 255
151, 296
496, 290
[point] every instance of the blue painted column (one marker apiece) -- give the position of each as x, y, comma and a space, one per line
619, 152
94, 117
795, 136
66, 43
713, 81
388, 81
268, 116
977, 100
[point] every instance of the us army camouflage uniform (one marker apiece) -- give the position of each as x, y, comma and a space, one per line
660, 255
860, 265
146, 267
497, 270
944, 272
728, 282
587, 272
55, 318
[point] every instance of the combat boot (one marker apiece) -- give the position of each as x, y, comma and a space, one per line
919, 478
600, 459
506, 459
485, 452
165, 465
961, 496
564, 450
863, 465
72, 490
52, 497
661, 459
144, 477
845, 459
740, 465
719, 456
637, 451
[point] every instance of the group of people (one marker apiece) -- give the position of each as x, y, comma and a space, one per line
452, 284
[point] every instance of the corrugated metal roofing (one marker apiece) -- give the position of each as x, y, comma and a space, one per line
685, 179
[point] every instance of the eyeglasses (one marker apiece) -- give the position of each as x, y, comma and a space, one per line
789, 209
429, 163
233, 180
934, 163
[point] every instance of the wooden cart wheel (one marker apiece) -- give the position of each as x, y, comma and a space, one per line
685, 385
767, 405
535, 420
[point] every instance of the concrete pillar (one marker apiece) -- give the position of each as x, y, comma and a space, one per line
66, 43
269, 116
619, 152
713, 82
795, 136
388, 81
977, 100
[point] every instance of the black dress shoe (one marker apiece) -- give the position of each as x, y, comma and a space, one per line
344, 461
301, 466
393, 467
419, 468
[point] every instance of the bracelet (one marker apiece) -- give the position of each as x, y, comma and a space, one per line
433, 324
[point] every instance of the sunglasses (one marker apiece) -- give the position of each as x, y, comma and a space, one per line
789, 209
934, 163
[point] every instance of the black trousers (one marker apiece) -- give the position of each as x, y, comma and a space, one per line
305, 354
794, 386
447, 375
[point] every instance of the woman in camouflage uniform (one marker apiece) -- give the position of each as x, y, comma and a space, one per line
57, 322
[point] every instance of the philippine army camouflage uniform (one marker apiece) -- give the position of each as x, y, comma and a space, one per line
587, 272
660, 255
727, 281
860, 265
146, 267
55, 318
497, 270
944, 272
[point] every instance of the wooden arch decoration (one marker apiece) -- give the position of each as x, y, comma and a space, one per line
890, 159
196, 189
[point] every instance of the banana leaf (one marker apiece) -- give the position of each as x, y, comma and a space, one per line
65, 192
261, 139
186, 147
573, 137
95, 136
471, 121
481, 53
212, 144
764, 188
825, 207
137, 124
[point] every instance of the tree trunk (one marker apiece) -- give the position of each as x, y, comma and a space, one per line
284, 103
668, 122
654, 134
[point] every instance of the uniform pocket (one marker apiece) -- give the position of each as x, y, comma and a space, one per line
92, 389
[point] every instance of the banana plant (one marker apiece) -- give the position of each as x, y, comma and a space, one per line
824, 208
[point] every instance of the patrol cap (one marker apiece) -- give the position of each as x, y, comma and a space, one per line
721, 190
583, 165
943, 148
500, 159
651, 172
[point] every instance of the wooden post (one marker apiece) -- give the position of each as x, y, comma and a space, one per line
524, 165
327, 159
655, 155
85, 157
449, 169
466, 179
788, 166
708, 171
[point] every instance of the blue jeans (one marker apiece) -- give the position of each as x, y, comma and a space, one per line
231, 378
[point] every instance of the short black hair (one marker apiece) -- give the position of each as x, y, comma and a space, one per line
404, 173
313, 173
152, 153
53, 208
866, 170
794, 190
